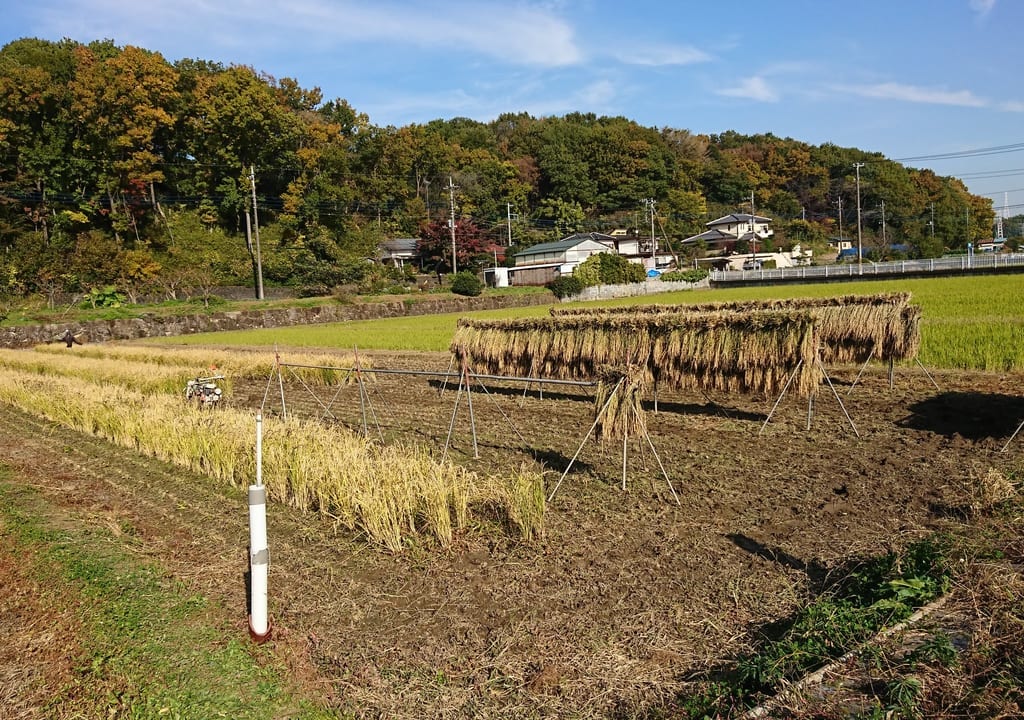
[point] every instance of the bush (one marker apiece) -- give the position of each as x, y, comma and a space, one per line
107, 296
691, 276
565, 286
312, 290
608, 269
467, 283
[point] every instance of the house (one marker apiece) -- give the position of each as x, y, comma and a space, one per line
625, 243
641, 249
797, 257
722, 234
398, 252
540, 264
840, 243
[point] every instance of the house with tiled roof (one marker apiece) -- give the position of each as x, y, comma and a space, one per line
722, 234
540, 264
398, 252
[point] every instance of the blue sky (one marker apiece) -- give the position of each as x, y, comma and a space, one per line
908, 78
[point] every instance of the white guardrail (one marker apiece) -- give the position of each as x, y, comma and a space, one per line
963, 263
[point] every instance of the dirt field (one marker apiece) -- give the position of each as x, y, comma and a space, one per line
626, 597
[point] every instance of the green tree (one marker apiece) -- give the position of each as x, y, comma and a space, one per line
36, 156
121, 104
465, 282
608, 269
563, 217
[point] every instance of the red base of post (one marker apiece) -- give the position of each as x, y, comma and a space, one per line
257, 637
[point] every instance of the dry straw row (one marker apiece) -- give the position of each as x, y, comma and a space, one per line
849, 328
753, 352
318, 368
390, 493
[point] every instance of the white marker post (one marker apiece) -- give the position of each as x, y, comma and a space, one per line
259, 552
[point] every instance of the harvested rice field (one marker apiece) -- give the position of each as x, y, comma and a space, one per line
653, 568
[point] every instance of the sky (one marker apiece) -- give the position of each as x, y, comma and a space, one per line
931, 83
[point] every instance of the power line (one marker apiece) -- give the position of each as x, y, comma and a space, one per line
991, 174
997, 150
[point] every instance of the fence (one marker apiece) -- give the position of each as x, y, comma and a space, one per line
948, 265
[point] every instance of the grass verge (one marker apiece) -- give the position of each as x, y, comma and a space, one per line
133, 643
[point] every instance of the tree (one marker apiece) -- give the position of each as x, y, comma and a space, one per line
120, 104
608, 269
36, 156
685, 211
232, 122
435, 246
563, 217
562, 162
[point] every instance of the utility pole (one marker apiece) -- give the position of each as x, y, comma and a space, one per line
508, 208
933, 224
840, 223
970, 245
654, 246
860, 252
753, 232
426, 196
451, 222
256, 225
884, 243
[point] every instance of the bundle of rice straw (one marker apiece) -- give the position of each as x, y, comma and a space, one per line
619, 403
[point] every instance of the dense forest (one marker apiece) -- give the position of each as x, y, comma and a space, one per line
121, 170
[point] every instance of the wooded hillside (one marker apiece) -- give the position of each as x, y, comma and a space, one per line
120, 169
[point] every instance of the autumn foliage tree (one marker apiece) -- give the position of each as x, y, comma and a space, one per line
435, 246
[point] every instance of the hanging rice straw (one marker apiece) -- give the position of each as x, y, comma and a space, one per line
620, 393
850, 328
753, 352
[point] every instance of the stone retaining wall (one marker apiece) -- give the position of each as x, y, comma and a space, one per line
155, 326
648, 287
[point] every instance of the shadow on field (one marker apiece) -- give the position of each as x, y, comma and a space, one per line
554, 460
585, 394
516, 392
709, 408
814, 570
974, 416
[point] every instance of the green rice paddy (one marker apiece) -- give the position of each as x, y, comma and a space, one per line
973, 323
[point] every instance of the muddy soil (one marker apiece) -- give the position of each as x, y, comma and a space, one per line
630, 592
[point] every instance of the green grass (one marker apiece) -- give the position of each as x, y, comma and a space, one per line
149, 648
967, 322
418, 332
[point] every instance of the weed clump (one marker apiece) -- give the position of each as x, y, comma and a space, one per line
872, 594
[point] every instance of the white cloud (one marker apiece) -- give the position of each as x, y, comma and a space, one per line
538, 99
524, 34
982, 7
752, 88
658, 56
597, 97
1012, 106
915, 94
